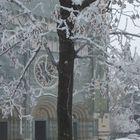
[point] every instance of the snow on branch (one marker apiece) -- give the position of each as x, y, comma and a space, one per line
96, 25
50, 55
12, 97
26, 10
4, 52
91, 42
26, 67
125, 34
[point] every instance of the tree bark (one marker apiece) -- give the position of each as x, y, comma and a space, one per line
65, 90
65, 72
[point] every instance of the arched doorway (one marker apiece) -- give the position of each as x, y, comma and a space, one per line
80, 117
44, 114
4, 130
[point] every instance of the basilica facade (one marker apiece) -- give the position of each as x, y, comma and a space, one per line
91, 118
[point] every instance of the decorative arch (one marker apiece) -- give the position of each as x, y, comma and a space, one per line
80, 111
45, 108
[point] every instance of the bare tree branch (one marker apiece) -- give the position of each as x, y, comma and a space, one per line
50, 55
138, 1
124, 33
26, 10
86, 3
80, 48
26, 67
91, 42
4, 52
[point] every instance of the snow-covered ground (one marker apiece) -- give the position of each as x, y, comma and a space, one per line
130, 137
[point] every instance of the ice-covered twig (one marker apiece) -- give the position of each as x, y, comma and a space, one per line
50, 55
125, 34
26, 10
4, 52
26, 67
91, 42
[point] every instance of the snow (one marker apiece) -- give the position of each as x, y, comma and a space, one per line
130, 137
77, 2
123, 139
133, 136
91, 23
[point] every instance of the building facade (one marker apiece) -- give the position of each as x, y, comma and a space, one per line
91, 119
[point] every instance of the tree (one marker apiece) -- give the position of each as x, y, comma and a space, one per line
65, 68
124, 96
123, 123
94, 24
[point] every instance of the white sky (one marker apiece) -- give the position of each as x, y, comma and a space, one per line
132, 29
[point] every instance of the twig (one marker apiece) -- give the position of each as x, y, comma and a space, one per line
90, 41
138, 1
9, 49
26, 10
86, 3
26, 67
80, 48
124, 33
50, 55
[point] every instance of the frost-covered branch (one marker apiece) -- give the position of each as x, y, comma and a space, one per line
125, 34
91, 42
83, 3
80, 48
26, 10
4, 52
96, 24
26, 67
50, 55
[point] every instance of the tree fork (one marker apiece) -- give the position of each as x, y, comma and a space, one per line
65, 71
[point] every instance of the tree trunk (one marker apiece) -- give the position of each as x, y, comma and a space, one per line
65, 90
65, 70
